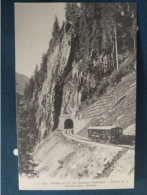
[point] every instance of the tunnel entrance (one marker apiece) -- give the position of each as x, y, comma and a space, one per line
68, 124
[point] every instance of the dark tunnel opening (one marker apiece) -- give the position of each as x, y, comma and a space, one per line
68, 124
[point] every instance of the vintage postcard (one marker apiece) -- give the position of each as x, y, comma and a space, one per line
76, 95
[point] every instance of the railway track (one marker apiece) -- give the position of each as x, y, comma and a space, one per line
69, 134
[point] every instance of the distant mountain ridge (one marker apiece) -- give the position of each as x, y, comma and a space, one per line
21, 81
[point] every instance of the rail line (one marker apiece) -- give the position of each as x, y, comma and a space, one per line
69, 134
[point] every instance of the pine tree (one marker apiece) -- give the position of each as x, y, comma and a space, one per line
56, 29
44, 62
29, 89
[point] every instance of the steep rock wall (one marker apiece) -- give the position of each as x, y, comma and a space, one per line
51, 93
59, 94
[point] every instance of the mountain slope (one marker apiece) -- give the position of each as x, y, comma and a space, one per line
59, 157
115, 107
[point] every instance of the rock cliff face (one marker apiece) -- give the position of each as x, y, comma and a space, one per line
59, 93
48, 97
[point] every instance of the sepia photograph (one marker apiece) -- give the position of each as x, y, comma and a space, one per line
76, 95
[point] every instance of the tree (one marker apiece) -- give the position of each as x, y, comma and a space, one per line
36, 70
56, 28
130, 24
133, 28
110, 26
27, 133
29, 89
71, 12
44, 62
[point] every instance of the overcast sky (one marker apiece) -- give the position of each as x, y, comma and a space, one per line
33, 29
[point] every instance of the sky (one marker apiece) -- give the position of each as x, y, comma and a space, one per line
33, 29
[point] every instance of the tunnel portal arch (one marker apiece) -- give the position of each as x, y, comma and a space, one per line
68, 124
